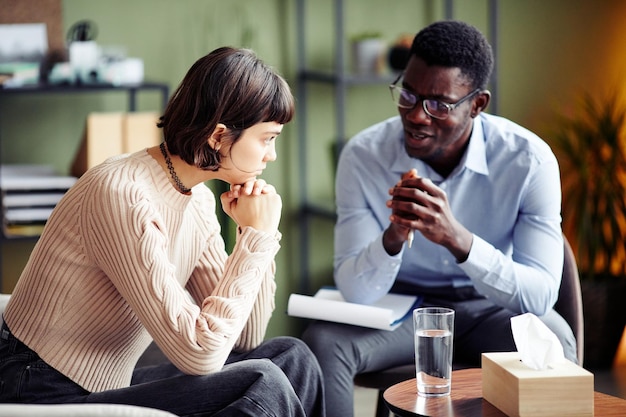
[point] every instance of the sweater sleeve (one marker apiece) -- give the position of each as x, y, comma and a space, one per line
132, 243
254, 330
250, 243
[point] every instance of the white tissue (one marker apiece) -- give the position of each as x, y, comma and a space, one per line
537, 345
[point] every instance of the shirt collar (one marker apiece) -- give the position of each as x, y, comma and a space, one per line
474, 158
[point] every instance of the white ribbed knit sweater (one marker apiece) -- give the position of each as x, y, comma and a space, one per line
109, 274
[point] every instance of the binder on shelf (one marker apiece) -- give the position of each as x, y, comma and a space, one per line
328, 304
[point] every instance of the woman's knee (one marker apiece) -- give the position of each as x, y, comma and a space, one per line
259, 373
293, 350
283, 348
292, 344
265, 368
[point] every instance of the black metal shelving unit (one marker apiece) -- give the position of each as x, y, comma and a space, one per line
131, 90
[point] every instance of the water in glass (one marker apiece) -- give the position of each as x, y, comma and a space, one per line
433, 357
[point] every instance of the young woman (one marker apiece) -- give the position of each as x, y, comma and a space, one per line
133, 253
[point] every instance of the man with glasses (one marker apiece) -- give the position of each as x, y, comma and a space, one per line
480, 195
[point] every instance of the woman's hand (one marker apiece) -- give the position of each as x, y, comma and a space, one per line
255, 204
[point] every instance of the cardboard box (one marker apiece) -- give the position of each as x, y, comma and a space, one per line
565, 389
102, 138
110, 134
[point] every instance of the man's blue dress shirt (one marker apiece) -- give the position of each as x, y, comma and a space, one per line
506, 191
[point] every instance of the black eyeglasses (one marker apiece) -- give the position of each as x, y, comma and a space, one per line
434, 108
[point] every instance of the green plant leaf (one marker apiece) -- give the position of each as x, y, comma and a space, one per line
591, 148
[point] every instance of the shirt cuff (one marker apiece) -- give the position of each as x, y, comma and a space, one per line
480, 259
387, 265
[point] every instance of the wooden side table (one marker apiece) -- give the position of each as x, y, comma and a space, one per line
465, 400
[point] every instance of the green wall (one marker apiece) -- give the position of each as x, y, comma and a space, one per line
548, 52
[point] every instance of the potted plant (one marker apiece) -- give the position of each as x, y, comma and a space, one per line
591, 149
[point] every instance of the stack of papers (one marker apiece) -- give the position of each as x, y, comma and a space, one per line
329, 305
29, 194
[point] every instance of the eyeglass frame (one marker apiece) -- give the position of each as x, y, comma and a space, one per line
449, 106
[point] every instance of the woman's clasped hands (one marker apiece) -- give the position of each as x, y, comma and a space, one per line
254, 203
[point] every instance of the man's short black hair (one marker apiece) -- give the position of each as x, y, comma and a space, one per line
456, 44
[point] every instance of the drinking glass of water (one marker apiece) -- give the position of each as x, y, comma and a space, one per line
434, 330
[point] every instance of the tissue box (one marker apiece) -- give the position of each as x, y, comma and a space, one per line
565, 389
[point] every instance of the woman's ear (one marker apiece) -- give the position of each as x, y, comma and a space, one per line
215, 139
481, 102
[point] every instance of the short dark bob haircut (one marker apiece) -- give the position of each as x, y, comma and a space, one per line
229, 86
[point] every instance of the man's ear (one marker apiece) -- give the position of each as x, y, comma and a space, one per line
215, 139
481, 102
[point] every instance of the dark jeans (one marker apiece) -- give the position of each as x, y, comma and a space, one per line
279, 378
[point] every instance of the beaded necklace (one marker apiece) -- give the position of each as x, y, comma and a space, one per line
170, 167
